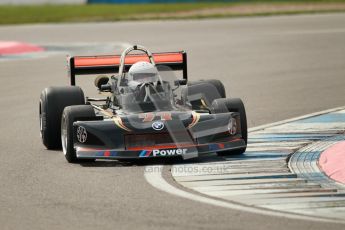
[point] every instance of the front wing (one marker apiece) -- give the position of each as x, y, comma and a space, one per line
159, 151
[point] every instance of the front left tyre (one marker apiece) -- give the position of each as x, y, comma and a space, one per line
70, 115
225, 105
53, 100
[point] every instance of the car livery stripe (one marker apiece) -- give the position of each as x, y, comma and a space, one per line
216, 146
221, 145
142, 153
107, 153
196, 118
87, 149
119, 123
145, 153
106, 60
106, 113
212, 146
148, 153
154, 147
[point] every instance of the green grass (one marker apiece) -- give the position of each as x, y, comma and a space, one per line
10, 14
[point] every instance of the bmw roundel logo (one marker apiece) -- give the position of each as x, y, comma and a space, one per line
157, 125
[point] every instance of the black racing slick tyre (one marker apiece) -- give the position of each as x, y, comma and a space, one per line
224, 105
53, 100
216, 83
208, 90
219, 85
70, 115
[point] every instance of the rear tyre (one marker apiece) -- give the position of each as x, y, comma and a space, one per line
70, 115
216, 83
53, 100
219, 85
101, 80
209, 90
224, 105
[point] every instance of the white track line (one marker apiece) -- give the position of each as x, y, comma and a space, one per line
153, 175
295, 119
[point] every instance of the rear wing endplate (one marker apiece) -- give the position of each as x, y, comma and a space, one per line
107, 64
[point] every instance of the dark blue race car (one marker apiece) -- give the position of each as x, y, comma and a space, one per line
145, 110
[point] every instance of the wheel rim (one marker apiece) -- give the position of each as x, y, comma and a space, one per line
64, 140
41, 119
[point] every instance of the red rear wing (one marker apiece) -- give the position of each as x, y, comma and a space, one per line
107, 64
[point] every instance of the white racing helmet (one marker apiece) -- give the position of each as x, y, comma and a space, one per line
142, 72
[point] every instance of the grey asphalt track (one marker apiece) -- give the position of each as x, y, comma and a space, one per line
281, 66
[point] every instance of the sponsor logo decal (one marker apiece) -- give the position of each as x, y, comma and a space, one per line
168, 152
158, 125
81, 134
164, 116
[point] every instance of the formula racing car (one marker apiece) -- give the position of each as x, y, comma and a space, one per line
145, 108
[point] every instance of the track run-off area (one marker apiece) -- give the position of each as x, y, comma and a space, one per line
282, 67
279, 171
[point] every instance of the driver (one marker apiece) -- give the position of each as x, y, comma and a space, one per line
141, 73
144, 81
